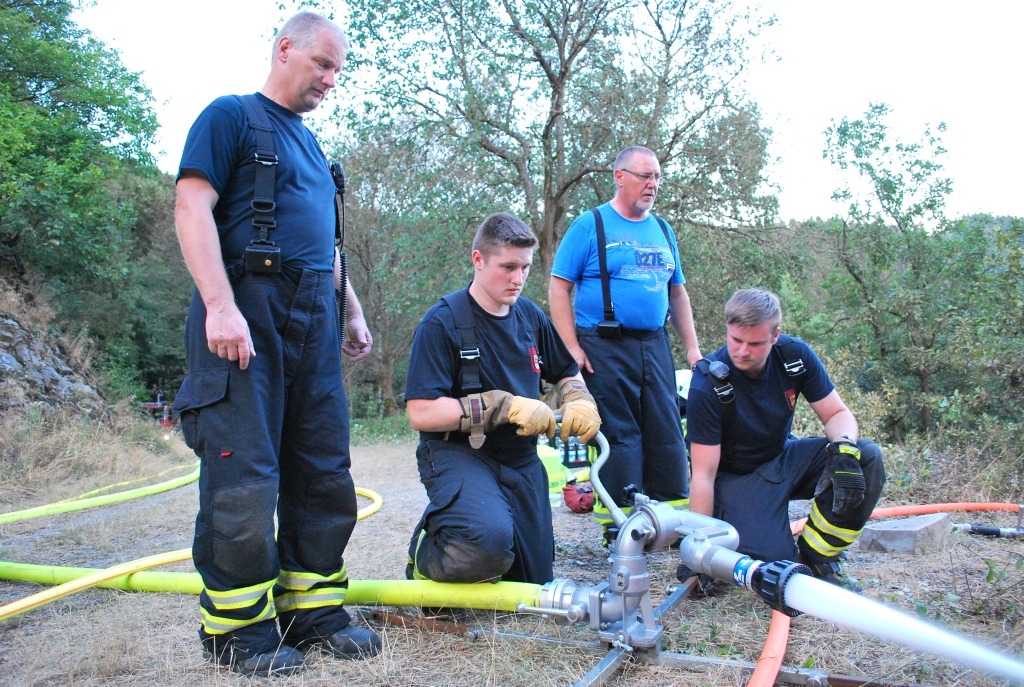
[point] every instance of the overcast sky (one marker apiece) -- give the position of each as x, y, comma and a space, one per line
929, 61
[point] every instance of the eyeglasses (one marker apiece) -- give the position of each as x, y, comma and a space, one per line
645, 177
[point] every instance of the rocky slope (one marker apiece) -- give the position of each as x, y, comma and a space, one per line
37, 371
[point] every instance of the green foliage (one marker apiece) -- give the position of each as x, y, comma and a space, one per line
46, 61
71, 116
413, 209
80, 203
984, 460
717, 261
1001, 599
539, 96
159, 287
382, 430
922, 302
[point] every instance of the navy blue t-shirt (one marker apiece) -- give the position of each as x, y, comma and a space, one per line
763, 409
222, 147
516, 351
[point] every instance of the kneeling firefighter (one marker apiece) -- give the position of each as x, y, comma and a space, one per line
480, 356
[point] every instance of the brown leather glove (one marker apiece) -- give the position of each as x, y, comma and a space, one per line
533, 417
485, 411
579, 410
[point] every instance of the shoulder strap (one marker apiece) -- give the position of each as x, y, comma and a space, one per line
668, 244
263, 204
469, 352
664, 230
792, 363
718, 373
609, 310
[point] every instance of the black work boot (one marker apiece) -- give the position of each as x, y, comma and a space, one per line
705, 585
350, 642
227, 651
833, 572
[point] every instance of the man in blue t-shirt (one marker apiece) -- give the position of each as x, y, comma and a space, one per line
631, 372
746, 463
263, 404
479, 417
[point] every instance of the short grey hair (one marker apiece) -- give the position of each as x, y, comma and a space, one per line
626, 154
302, 29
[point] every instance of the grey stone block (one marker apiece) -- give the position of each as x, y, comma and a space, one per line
917, 534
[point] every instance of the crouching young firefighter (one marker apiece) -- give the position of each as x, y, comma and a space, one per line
746, 464
476, 367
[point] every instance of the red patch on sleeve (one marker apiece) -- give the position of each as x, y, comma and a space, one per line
791, 398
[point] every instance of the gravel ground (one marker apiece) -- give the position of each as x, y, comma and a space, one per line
104, 637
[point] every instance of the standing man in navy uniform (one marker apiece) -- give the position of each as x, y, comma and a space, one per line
489, 515
263, 404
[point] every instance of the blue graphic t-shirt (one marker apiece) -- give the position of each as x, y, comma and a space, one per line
640, 268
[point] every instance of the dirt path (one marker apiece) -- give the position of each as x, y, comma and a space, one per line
102, 637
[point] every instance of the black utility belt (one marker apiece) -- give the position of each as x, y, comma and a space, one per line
236, 267
609, 332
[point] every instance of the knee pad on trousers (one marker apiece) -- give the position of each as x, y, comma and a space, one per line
327, 524
241, 532
457, 560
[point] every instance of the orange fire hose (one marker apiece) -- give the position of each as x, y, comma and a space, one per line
774, 650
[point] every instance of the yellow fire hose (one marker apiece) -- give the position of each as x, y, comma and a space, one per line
125, 575
94, 501
131, 576
100, 490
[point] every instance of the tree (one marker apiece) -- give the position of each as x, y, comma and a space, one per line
158, 287
909, 278
72, 115
413, 208
75, 127
541, 95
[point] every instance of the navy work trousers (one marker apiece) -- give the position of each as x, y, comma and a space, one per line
487, 518
634, 383
271, 438
757, 504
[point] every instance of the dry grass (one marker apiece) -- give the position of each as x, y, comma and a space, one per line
103, 637
63, 453
24, 302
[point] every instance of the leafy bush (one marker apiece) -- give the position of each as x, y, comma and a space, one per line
381, 430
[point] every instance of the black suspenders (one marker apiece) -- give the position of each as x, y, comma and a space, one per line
469, 350
609, 308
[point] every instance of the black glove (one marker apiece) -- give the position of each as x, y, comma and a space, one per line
843, 470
